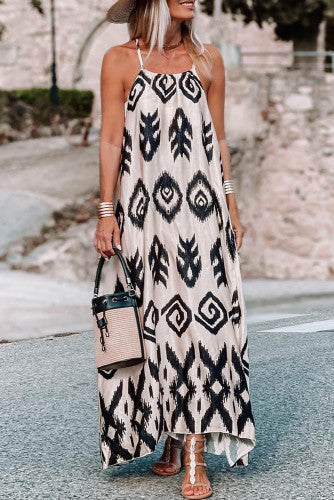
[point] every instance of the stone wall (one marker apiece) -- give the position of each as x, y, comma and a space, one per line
283, 128
83, 38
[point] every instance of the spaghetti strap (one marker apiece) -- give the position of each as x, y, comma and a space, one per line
139, 54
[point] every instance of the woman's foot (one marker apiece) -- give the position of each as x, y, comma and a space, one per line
170, 461
196, 484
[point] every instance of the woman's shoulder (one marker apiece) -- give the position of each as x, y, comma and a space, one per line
214, 52
121, 49
218, 67
119, 54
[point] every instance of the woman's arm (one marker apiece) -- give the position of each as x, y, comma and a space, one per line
112, 126
216, 102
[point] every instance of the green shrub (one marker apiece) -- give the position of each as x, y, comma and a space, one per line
73, 103
78, 102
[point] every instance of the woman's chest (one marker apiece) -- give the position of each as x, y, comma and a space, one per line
156, 90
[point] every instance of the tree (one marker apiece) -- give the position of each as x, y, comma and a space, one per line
37, 4
298, 21
2, 26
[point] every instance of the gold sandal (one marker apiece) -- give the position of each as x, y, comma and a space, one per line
172, 456
192, 463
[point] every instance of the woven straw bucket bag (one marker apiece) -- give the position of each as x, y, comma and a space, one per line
118, 333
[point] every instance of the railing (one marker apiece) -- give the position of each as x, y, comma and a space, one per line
325, 59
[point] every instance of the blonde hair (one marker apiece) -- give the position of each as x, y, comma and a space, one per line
150, 20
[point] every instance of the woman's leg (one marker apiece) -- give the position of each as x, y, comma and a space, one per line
196, 482
170, 461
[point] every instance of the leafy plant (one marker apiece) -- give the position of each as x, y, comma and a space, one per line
293, 20
73, 104
37, 4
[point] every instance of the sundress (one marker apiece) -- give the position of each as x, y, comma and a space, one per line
178, 242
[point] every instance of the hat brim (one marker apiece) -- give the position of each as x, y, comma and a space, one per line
120, 11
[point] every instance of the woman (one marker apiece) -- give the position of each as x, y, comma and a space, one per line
165, 176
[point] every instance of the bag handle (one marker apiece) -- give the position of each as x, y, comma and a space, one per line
125, 269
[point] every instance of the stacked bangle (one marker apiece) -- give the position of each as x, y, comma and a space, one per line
105, 209
229, 186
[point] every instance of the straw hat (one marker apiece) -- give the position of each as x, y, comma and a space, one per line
120, 11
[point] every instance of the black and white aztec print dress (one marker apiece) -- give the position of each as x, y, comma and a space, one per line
177, 238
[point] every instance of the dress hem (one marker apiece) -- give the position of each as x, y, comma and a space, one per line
231, 464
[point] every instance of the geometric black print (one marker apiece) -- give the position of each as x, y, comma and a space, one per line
110, 419
230, 240
219, 213
191, 86
145, 412
107, 374
154, 371
118, 285
158, 259
212, 313
126, 153
217, 261
189, 263
136, 90
217, 398
221, 167
181, 403
149, 134
159, 419
200, 196
138, 204
180, 134
136, 271
151, 318
158, 354
178, 314
244, 357
167, 196
164, 85
119, 214
239, 389
235, 312
207, 140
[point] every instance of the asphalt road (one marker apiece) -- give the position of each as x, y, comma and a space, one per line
49, 425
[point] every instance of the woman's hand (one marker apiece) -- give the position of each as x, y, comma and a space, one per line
237, 227
107, 235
